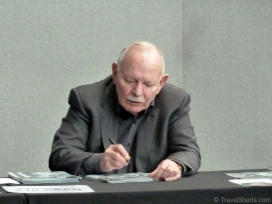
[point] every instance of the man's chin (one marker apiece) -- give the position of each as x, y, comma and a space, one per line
134, 110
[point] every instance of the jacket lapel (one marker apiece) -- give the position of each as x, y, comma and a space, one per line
145, 135
108, 124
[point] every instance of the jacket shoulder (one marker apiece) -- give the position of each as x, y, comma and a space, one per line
172, 98
172, 92
91, 93
94, 89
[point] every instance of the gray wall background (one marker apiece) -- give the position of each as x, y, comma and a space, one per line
227, 57
219, 51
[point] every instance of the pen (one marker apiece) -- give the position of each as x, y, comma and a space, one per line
113, 143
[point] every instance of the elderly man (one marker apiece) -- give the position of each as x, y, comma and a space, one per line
146, 117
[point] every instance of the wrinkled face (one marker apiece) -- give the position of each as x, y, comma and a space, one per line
138, 80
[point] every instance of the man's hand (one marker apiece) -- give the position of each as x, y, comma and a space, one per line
167, 170
115, 157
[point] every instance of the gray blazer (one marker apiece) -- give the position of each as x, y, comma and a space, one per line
165, 132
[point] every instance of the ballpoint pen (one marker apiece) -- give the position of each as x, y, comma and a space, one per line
113, 143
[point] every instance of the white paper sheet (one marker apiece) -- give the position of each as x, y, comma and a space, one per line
8, 181
121, 178
251, 175
252, 182
49, 189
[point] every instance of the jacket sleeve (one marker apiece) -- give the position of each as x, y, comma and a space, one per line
182, 143
69, 144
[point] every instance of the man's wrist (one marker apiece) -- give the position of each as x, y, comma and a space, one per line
179, 166
91, 165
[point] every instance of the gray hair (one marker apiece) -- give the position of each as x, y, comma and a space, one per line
140, 44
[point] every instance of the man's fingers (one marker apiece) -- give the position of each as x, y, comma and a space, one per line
115, 157
173, 178
167, 170
158, 173
118, 148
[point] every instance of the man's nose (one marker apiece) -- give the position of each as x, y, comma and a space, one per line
138, 89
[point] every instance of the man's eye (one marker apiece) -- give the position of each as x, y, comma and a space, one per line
149, 85
129, 81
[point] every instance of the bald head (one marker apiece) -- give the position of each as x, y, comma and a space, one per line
142, 47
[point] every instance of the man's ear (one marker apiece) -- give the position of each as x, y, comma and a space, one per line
162, 82
114, 71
